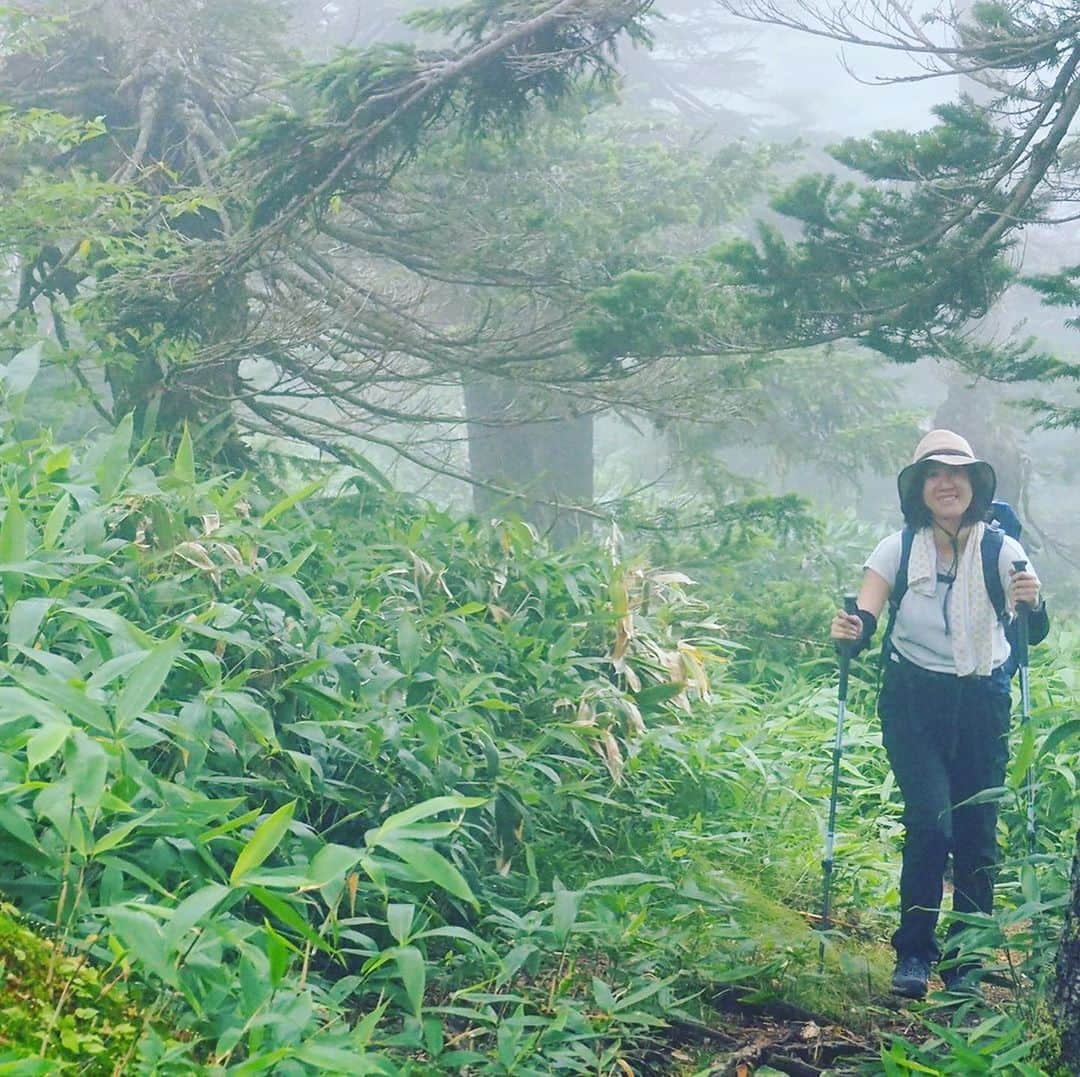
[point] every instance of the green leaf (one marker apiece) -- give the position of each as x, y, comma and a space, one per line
495, 704
651, 698
17, 703
372, 472
145, 681
144, 941
410, 645
289, 916
1025, 755
55, 523
564, 913
413, 973
129, 867
432, 866
399, 919
113, 670
13, 546
88, 766
1059, 735
45, 744
278, 955
25, 619
191, 911
229, 825
184, 464
13, 531
633, 878
1029, 883
118, 835
257, 719
434, 1036
58, 461
23, 368
113, 623
287, 503
325, 1058
71, 698
331, 863
402, 819
467, 610
298, 562
364, 1029
643, 993
115, 462
602, 993
263, 842
56, 802
987, 796
16, 825
37, 570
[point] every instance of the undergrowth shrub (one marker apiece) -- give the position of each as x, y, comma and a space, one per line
350, 784
309, 764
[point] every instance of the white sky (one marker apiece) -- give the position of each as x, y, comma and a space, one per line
807, 72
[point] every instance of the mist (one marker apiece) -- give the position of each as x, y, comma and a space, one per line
452, 559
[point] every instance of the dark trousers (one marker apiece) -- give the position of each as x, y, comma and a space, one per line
946, 738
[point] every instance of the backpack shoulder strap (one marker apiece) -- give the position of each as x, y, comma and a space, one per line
899, 588
990, 549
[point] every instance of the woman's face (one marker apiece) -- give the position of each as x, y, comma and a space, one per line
947, 492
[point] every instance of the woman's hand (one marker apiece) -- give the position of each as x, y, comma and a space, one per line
845, 627
1023, 587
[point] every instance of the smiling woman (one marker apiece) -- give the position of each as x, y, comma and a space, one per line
944, 704
947, 493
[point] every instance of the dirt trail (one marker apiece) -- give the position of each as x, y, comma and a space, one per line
743, 1040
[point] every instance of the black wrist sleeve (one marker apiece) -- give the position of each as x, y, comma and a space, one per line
1038, 623
869, 627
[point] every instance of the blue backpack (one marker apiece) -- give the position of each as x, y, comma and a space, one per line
1002, 521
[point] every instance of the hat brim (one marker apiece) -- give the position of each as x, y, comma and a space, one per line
983, 474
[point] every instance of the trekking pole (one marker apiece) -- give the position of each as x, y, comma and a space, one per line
838, 751
1022, 611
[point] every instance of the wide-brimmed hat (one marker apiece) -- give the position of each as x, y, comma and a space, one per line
946, 447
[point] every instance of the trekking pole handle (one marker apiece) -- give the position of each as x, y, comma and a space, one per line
1021, 566
845, 649
1022, 609
851, 609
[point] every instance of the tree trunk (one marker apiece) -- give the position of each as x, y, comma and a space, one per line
534, 446
1066, 994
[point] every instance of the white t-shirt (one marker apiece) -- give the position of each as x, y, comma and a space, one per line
919, 632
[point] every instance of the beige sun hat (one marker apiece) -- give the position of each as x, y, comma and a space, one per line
946, 447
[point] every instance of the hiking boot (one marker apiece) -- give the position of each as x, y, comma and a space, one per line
911, 978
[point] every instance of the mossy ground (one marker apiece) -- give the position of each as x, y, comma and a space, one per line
58, 1011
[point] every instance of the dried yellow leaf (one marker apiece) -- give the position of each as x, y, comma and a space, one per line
194, 553
612, 756
633, 717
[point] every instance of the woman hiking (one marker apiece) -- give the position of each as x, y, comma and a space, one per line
945, 694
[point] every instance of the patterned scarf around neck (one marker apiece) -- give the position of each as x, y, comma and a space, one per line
970, 615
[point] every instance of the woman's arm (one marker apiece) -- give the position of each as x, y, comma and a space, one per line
1024, 589
873, 594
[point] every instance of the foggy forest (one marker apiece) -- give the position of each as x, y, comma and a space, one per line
537, 537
